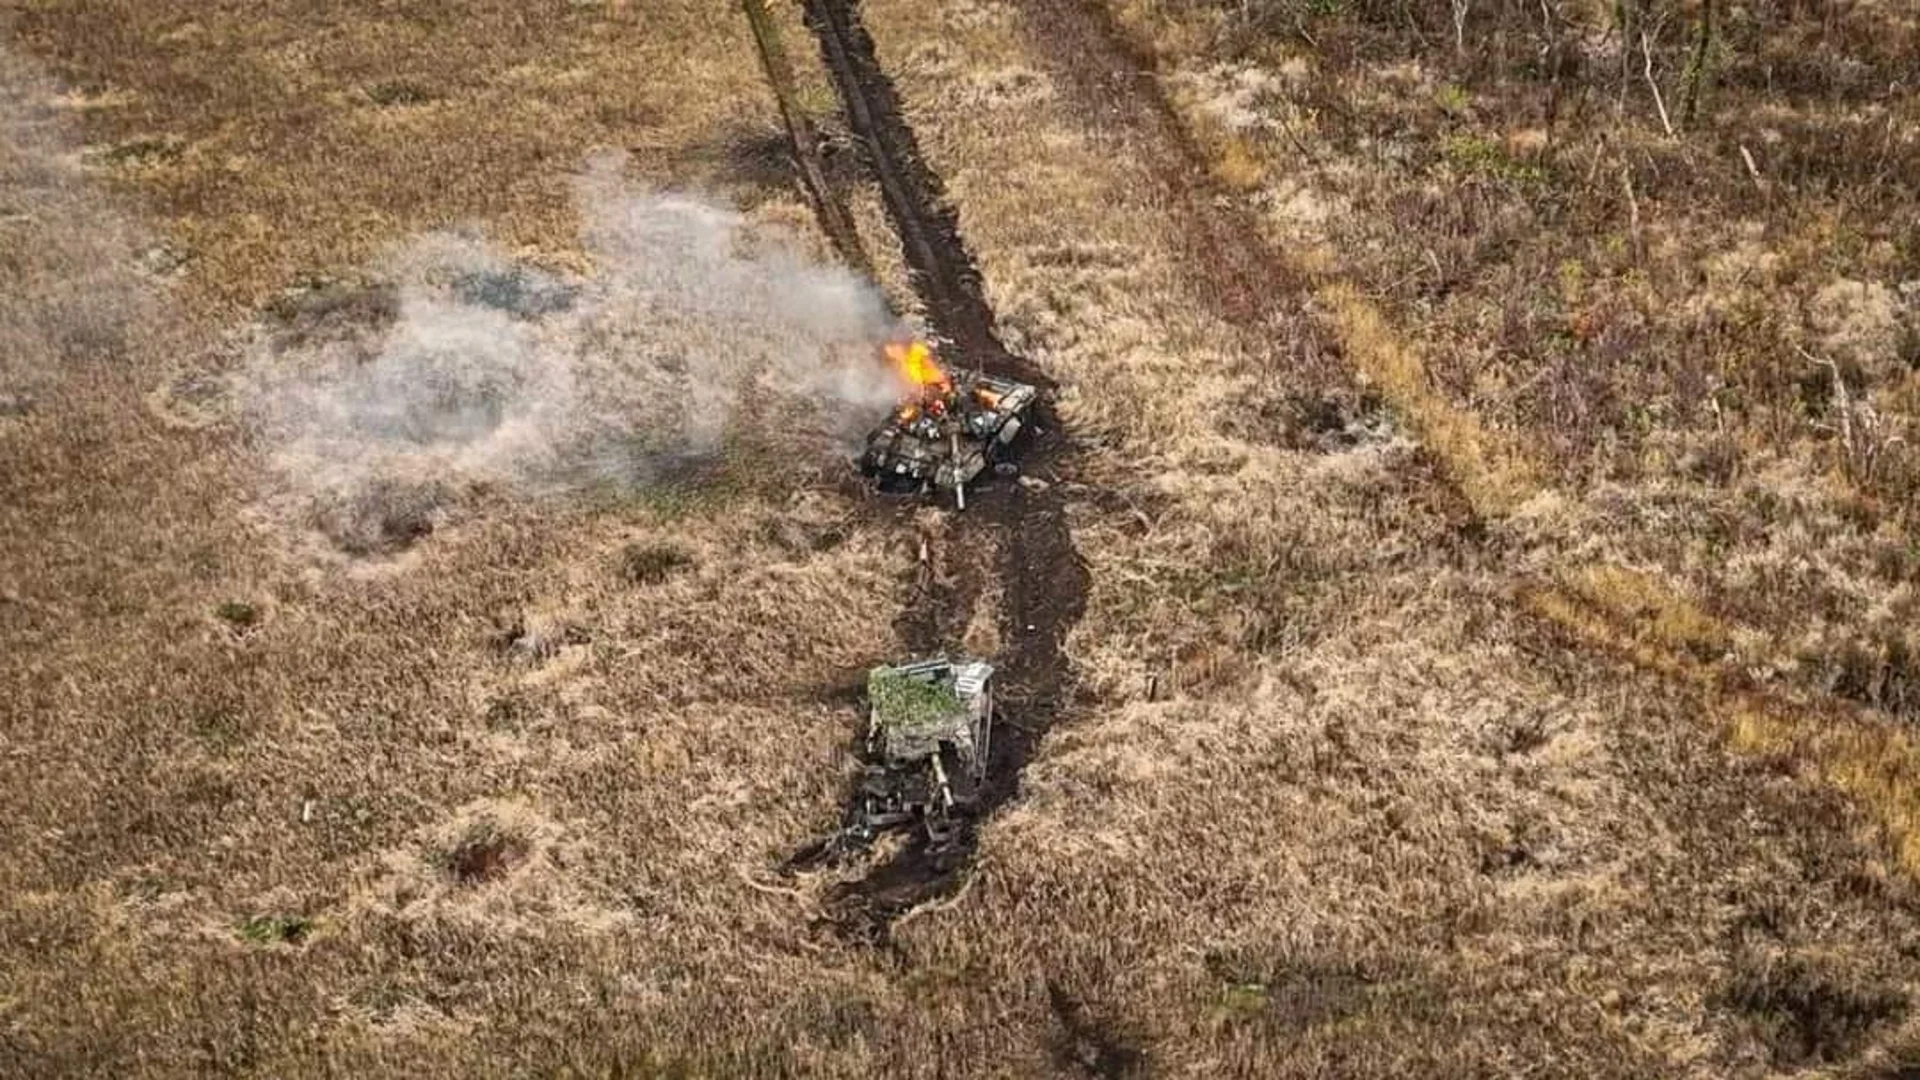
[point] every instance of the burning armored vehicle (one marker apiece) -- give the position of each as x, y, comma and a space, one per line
928, 728
948, 430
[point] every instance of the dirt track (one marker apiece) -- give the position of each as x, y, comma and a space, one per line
939, 265
1252, 288
1015, 531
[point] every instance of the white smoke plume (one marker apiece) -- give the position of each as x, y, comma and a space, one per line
377, 409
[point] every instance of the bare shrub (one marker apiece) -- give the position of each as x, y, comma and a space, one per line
651, 564
1869, 444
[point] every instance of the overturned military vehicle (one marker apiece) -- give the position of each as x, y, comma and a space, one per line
948, 430
929, 723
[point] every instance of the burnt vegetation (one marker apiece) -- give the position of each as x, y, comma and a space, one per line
485, 854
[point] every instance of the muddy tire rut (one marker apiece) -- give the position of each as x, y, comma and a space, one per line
1013, 532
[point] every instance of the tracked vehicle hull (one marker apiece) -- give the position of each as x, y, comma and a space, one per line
925, 755
948, 438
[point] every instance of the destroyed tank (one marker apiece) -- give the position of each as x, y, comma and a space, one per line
950, 428
928, 728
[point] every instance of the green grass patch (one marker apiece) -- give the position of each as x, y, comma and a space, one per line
903, 701
238, 614
276, 929
1477, 155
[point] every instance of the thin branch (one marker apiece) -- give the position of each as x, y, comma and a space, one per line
1633, 206
1646, 49
1840, 396
771, 890
1697, 70
1858, 462
1753, 170
941, 904
1623, 16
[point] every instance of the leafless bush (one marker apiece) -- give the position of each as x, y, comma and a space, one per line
1870, 445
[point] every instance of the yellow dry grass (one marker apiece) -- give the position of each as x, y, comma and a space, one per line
301, 140
1867, 756
1235, 164
1663, 617
1877, 763
192, 774
1111, 788
1367, 823
1644, 615
1490, 470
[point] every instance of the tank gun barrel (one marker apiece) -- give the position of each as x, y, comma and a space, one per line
959, 489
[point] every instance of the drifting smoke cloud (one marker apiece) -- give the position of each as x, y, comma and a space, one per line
691, 329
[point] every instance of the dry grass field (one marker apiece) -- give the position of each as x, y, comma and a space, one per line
1666, 285
1497, 646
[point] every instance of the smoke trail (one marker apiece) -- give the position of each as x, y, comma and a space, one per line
378, 409
76, 306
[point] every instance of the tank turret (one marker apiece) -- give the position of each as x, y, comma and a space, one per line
950, 428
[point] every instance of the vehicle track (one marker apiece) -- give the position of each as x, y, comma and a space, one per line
939, 266
1023, 526
939, 601
1115, 88
1235, 273
829, 207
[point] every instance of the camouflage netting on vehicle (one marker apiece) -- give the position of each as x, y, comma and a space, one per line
914, 714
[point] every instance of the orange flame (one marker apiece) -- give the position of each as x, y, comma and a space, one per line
917, 365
